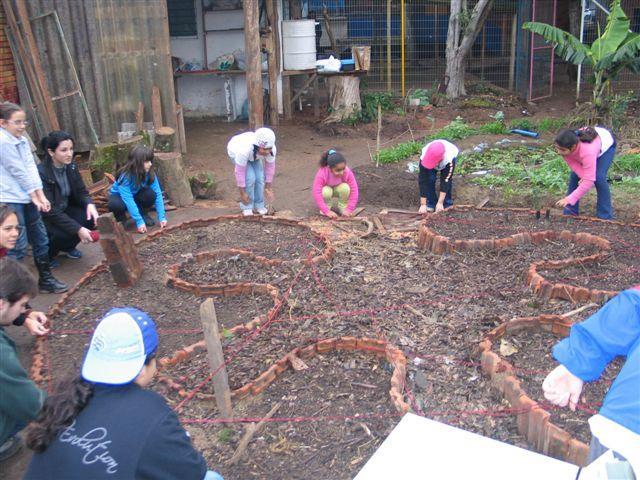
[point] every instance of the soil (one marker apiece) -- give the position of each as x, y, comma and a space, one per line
435, 308
533, 361
613, 274
231, 268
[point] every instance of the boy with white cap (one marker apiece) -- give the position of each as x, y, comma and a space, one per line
105, 424
254, 157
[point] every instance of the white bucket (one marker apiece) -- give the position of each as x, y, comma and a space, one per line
299, 44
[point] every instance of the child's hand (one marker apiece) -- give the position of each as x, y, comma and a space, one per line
347, 213
92, 213
439, 207
36, 323
84, 234
332, 214
163, 223
142, 229
422, 209
563, 202
244, 197
268, 194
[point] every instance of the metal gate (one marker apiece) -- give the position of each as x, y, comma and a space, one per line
541, 53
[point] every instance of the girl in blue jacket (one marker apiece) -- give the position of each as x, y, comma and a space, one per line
613, 331
136, 190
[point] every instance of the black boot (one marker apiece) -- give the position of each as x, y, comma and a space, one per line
47, 282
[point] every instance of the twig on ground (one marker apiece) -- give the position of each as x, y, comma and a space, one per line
250, 432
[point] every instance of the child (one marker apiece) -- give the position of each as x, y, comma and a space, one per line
437, 156
21, 189
72, 213
20, 400
613, 331
335, 189
136, 190
589, 153
104, 423
254, 157
34, 322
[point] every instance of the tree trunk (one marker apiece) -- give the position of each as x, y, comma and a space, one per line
173, 179
165, 140
460, 40
344, 97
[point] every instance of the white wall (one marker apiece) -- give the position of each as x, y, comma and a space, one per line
203, 95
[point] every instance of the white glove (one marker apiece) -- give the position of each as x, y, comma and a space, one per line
562, 388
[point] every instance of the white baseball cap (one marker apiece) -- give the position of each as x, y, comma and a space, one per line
122, 341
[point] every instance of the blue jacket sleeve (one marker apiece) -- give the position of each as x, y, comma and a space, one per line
155, 186
126, 193
610, 332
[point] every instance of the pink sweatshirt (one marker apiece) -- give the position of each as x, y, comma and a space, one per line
583, 163
324, 177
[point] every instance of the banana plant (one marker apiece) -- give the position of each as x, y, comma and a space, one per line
613, 51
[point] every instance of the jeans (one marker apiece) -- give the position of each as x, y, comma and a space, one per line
62, 240
34, 231
604, 209
254, 186
145, 199
432, 194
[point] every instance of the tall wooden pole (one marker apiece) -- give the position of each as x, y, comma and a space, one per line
274, 69
389, 45
35, 58
254, 64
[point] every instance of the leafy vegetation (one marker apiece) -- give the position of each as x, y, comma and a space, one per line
369, 112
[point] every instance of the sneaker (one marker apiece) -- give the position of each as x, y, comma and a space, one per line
429, 209
9, 448
262, 211
148, 221
247, 212
73, 253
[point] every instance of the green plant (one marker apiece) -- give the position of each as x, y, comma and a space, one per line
455, 130
522, 124
399, 152
369, 111
613, 51
627, 164
617, 106
226, 435
496, 128
551, 124
227, 334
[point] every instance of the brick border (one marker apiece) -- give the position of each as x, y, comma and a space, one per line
533, 420
369, 345
37, 359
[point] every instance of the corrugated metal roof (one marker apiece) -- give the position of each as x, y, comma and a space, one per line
120, 50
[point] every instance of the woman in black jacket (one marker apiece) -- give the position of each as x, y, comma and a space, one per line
72, 214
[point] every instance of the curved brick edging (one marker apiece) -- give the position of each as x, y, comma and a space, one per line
533, 420
37, 362
369, 345
173, 280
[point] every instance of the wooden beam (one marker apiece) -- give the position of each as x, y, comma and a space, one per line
286, 97
273, 64
139, 117
216, 358
37, 66
254, 63
156, 107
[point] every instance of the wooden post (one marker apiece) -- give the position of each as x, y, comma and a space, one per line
180, 126
173, 179
139, 117
216, 357
35, 58
286, 97
295, 9
254, 64
119, 250
273, 64
389, 45
512, 56
156, 107
378, 132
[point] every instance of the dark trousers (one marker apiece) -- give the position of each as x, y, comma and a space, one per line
145, 199
62, 240
432, 193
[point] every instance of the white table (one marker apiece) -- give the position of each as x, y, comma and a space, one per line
420, 448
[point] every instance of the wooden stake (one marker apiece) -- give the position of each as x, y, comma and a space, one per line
216, 358
378, 135
250, 432
139, 117
254, 63
156, 107
180, 125
273, 63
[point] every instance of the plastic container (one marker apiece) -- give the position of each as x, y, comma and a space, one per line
299, 44
348, 65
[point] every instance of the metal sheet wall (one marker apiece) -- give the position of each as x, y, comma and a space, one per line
120, 50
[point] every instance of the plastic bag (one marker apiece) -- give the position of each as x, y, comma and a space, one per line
328, 65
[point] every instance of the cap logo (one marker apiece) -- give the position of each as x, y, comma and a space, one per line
98, 343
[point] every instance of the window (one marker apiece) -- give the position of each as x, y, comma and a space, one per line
182, 18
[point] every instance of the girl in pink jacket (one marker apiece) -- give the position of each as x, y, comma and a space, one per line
335, 189
589, 153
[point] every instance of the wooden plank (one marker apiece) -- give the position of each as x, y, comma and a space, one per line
182, 139
274, 119
216, 358
139, 117
254, 66
286, 97
156, 107
378, 223
37, 66
482, 202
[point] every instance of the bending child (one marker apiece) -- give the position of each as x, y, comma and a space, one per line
335, 189
136, 190
21, 189
254, 157
437, 156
